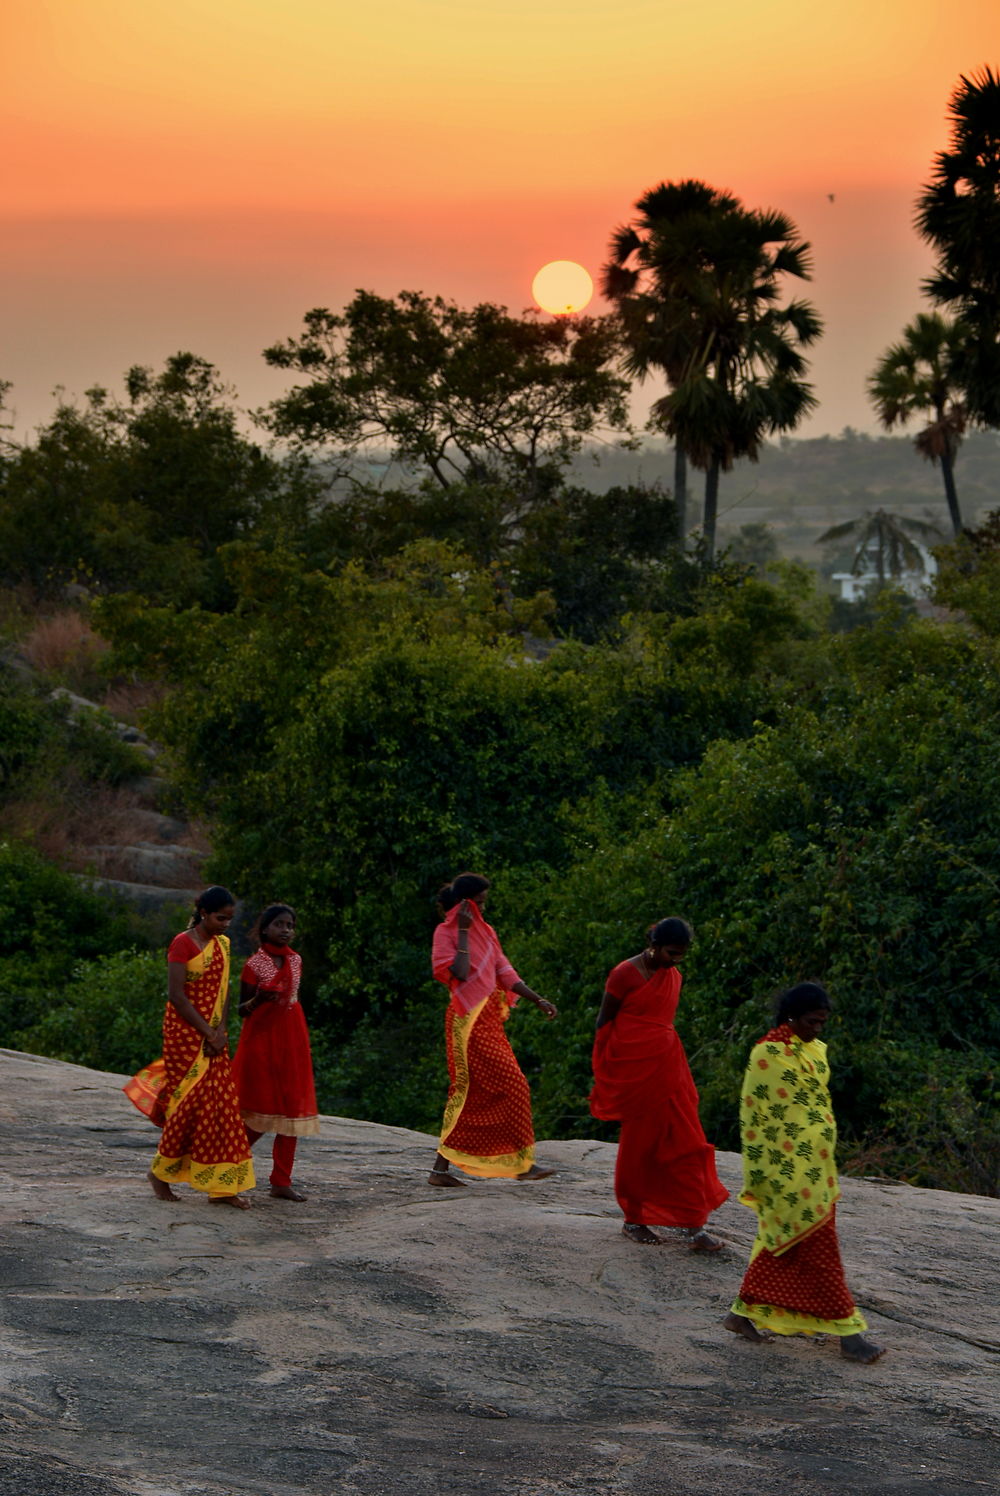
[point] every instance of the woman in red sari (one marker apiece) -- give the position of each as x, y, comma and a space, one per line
487, 1128
190, 1092
795, 1282
665, 1172
273, 1064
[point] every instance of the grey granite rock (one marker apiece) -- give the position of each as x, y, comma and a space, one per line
386, 1339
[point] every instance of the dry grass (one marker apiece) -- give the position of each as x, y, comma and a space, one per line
65, 647
127, 700
67, 826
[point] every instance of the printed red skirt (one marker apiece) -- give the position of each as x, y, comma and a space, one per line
802, 1291
487, 1127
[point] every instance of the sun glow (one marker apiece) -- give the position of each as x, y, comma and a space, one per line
562, 287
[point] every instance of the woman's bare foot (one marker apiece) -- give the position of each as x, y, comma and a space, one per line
285, 1192
857, 1348
700, 1241
536, 1172
445, 1179
239, 1201
161, 1188
740, 1325
641, 1234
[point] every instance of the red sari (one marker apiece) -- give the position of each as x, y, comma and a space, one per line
665, 1174
487, 1129
191, 1094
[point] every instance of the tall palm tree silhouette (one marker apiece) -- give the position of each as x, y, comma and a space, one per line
917, 376
696, 279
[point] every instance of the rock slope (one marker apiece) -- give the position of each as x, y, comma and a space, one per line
387, 1338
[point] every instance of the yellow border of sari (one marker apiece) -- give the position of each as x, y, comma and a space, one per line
227, 1177
500, 1166
794, 1321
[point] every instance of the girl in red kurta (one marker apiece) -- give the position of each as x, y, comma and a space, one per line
665, 1173
273, 1063
487, 1128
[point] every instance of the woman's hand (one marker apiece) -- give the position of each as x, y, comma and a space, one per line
465, 915
215, 1041
548, 1010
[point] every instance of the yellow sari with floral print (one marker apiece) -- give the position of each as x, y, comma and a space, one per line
795, 1281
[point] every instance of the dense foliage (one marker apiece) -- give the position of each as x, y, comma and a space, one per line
819, 805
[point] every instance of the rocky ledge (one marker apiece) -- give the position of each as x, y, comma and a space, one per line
385, 1338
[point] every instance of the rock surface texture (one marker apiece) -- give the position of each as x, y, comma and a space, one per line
385, 1337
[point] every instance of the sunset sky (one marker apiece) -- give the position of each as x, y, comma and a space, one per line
196, 175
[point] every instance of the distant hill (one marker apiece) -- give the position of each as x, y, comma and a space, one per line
800, 487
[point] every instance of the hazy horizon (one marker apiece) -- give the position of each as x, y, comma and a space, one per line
192, 177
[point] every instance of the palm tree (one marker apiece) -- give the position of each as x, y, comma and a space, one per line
882, 542
696, 281
958, 212
658, 335
916, 376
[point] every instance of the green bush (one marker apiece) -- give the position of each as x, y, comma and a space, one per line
107, 1015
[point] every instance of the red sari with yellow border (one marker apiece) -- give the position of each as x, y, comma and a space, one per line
191, 1094
487, 1129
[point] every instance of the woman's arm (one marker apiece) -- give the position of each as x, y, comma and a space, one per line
215, 1039
460, 965
547, 1009
609, 1009
252, 997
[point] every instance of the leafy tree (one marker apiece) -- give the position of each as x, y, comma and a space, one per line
958, 213
700, 301
141, 493
917, 376
968, 577
458, 394
51, 922
354, 739
852, 841
55, 504
754, 545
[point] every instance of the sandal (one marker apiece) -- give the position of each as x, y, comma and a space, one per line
642, 1235
701, 1241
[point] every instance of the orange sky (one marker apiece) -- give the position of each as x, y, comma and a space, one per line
197, 174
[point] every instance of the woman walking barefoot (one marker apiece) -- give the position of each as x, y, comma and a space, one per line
487, 1128
272, 1067
795, 1282
665, 1172
190, 1092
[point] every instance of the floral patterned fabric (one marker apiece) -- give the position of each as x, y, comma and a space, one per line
795, 1281
789, 1139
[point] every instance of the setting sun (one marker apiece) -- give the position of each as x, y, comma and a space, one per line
562, 287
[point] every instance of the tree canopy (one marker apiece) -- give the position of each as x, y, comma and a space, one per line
958, 213
456, 393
